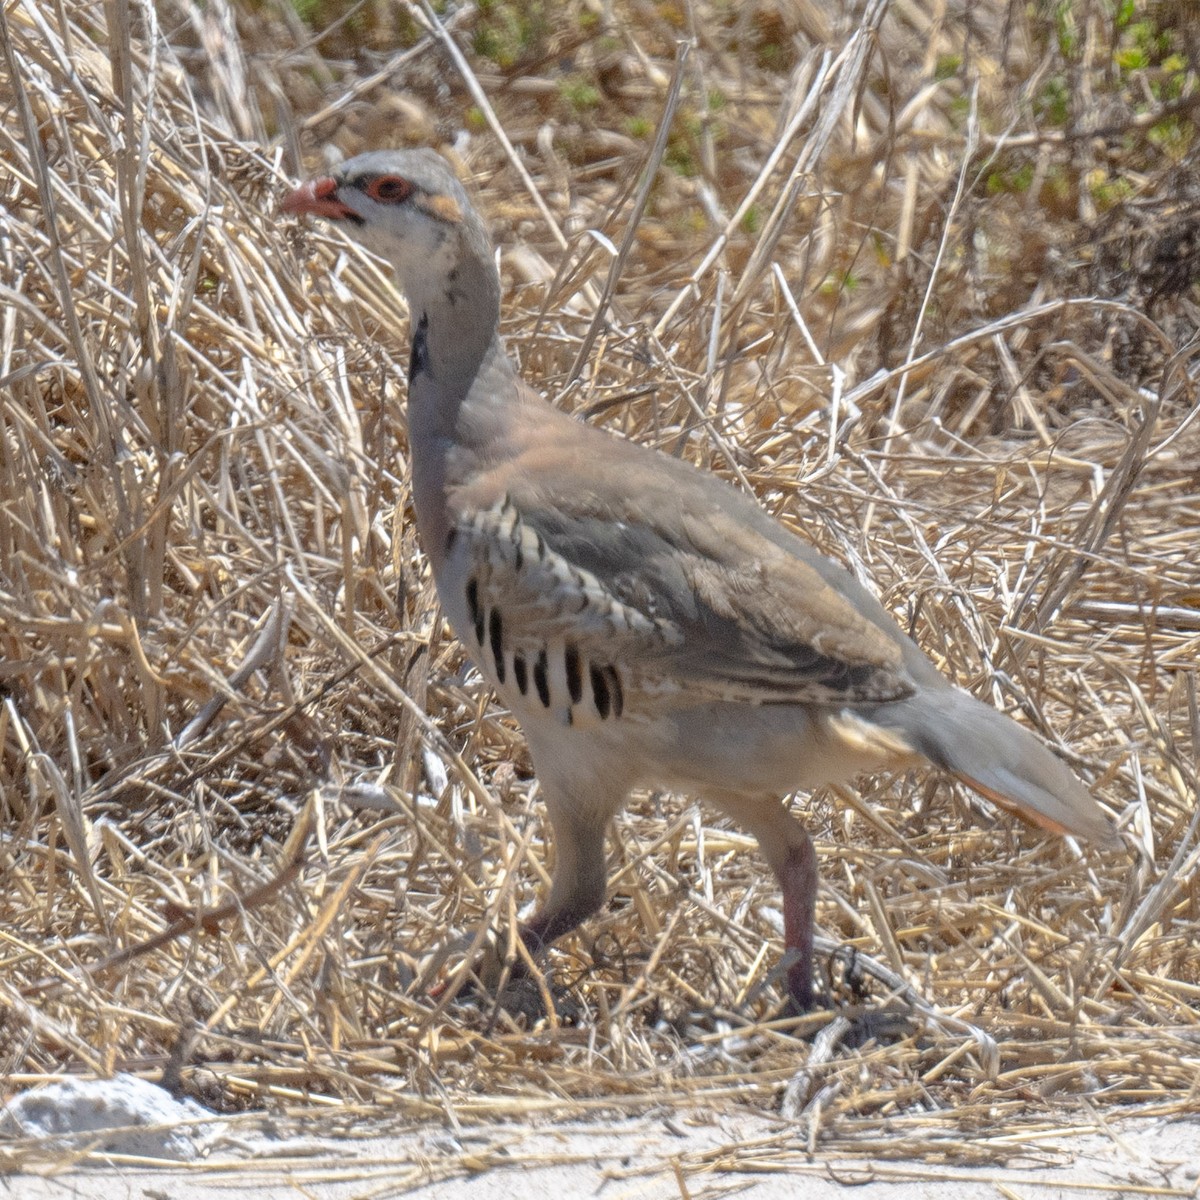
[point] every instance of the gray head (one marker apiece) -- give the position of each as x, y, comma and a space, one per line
408, 207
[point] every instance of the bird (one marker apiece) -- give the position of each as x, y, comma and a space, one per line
648, 624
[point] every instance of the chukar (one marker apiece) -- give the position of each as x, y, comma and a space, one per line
647, 624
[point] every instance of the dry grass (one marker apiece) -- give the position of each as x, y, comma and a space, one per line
942, 326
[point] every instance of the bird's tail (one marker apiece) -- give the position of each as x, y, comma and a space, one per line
999, 759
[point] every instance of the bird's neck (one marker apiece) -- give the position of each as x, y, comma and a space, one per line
457, 378
461, 385
454, 308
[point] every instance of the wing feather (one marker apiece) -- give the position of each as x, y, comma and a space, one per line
689, 609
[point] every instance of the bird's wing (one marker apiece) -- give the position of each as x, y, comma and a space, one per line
623, 555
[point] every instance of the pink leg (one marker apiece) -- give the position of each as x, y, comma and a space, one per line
797, 875
788, 849
580, 811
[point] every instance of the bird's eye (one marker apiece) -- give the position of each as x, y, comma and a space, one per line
389, 189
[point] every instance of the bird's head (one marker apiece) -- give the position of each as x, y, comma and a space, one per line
407, 207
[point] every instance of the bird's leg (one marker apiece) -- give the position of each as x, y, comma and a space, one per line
572, 899
578, 883
789, 851
577, 890
797, 875
581, 804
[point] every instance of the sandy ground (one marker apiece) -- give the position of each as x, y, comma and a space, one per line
647, 1158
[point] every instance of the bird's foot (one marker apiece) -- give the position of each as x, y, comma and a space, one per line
524, 998
516, 987
843, 1010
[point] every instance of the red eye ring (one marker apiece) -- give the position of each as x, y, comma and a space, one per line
389, 189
